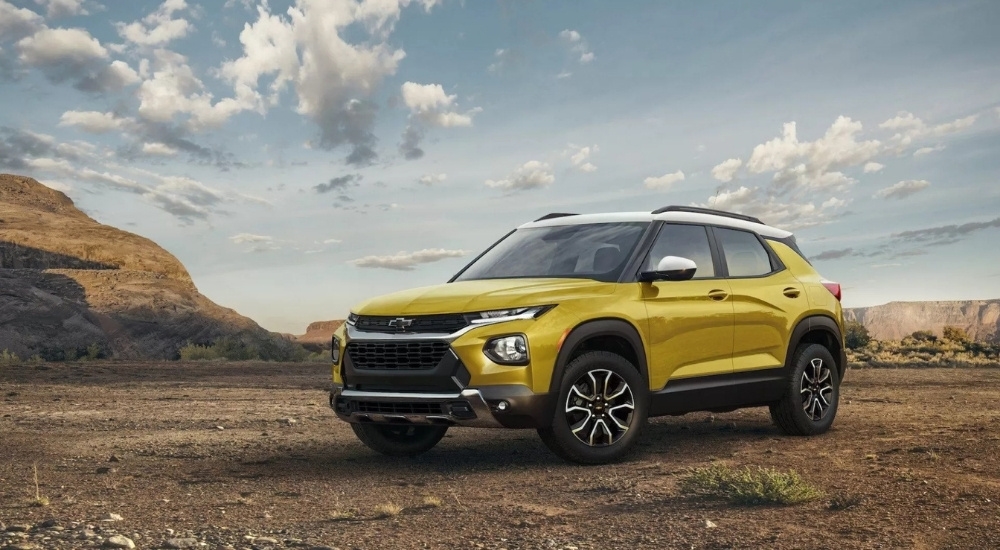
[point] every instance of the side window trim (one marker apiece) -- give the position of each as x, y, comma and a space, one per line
777, 266
642, 249
647, 248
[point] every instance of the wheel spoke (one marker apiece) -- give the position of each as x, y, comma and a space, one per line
806, 379
577, 409
817, 366
576, 390
621, 391
607, 382
582, 424
825, 377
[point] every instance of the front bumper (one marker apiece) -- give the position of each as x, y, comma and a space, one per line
488, 407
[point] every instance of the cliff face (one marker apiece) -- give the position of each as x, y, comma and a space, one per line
318, 335
893, 321
68, 282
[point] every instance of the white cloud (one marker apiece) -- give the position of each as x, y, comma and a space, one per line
570, 36
173, 89
433, 106
334, 79
407, 261
54, 46
503, 59
94, 122
62, 8
16, 23
577, 45
564, 74
770, 210
813, 164
332, 241
872, 167
902, 189
923, 151
159, 27
581, 157
908, 128
665, 181
244, 238
431, 179
532, 175
75, 55
158, 149
726, 170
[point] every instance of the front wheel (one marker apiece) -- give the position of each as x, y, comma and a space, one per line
602, 406
812, 395
399, 440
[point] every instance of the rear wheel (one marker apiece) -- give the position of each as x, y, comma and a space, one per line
601, 408
399, 440
812, 395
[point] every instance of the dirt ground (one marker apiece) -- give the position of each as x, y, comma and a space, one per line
250, 456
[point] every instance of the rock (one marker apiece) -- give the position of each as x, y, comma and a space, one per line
289, 421
220, 428
181, 543
323, 548
104, 470
709, 524
2, 527
47, 523
87, 534
112, 517
20, 546
114, 458
119, 541
68, 289
265, 540
18, 528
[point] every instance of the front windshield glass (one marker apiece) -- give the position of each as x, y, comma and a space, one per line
593, 251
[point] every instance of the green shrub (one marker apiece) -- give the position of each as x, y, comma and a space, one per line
7, 358
956, 334
749, 485
93, 352
192, 352
924, 336
856, 335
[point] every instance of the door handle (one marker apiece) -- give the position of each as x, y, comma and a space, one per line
718, 295
791, 292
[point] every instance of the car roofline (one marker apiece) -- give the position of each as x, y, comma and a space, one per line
679, 217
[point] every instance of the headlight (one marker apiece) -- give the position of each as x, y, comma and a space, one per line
500, 315
335, 350
508, 350
352, 318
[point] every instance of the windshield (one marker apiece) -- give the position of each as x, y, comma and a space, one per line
593, 251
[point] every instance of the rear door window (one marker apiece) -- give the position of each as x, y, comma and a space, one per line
744, 253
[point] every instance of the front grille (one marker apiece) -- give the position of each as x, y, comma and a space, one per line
396, 355
434, 324
388, 407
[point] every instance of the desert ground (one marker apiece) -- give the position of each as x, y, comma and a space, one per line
234, 455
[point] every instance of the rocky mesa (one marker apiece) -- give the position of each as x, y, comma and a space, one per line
979, 318
68, 283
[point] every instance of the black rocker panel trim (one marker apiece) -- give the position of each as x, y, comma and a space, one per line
722, 392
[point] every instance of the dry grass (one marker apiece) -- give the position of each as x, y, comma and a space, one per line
749, 485
431, 501
341, 515
387, 510
40, 500
844, 501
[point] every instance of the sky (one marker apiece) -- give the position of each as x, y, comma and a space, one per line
301, 157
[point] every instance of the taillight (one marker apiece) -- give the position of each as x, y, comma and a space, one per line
834, 288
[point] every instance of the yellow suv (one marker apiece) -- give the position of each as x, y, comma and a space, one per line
583, 326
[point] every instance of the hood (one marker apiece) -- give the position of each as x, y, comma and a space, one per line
484, 295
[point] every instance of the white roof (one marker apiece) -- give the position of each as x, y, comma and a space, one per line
689, 217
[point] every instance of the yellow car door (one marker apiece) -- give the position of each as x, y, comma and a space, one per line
690, 322
767, 300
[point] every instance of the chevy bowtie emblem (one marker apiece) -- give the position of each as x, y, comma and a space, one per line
400, 322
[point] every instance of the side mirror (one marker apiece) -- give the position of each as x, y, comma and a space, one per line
670, 268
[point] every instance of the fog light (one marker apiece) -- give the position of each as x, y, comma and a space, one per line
503, 406
335, 350
508, 350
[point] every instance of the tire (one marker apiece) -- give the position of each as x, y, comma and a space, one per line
813, 383
399, 440
606, 425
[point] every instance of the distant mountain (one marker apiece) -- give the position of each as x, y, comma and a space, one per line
68, 282
892, 321
318, 335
